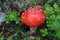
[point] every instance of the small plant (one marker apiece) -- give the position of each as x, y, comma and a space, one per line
37, 38
26, 38
44, 32
53, 17
1, 37
12, 16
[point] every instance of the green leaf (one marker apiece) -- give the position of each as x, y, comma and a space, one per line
49, 1
7, 21
58, 17
17, 20
56, 25
52, 18
58, 34
49, 10
12, 16
1, 37
26, 38
10, 38
55, 6
44, 32
38, 38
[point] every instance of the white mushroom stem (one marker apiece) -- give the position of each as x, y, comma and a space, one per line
32, 31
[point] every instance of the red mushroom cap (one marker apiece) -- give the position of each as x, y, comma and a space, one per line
33, 16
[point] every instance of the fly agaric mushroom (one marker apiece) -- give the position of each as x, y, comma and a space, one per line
33, 17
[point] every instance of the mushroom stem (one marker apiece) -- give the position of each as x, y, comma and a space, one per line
32, 31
